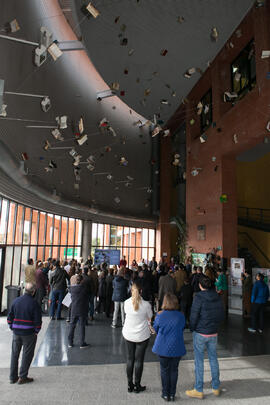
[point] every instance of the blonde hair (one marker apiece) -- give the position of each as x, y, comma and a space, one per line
135, 296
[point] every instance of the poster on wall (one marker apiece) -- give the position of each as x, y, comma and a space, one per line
198, 259
109, 256
265, 272
237, 268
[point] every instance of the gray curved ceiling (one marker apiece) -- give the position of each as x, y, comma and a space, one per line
73, 81
151, 26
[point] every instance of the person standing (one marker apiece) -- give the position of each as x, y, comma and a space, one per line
167, 284
207, 312
123, 262
109, 292
24, 319
92, 273
120, 287
101, 304
180, 276
259, 297
186, 297
222, 288
79, 310
246, 293
59, 280
153, 264
30, 272
136, 333
169, 344
41, 284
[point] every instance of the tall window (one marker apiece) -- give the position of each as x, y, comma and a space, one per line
243, 70
25, 233
134, 243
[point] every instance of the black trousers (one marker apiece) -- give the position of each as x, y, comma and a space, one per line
169, 374
186, 308
28, 343
40, 294
73, 323
135, 357
257, 311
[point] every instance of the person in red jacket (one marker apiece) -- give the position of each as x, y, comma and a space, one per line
123, 262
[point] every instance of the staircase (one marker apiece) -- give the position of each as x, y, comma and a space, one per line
250, 261
248, 248
256, 218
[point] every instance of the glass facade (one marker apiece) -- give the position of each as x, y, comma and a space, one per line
26, 232
134, 243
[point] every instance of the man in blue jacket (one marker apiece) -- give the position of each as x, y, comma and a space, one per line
207, 312
24, 320
259, 297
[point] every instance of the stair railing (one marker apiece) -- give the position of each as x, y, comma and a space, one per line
256, 246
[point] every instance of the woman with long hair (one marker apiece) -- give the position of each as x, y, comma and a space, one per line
136, 332
169, 344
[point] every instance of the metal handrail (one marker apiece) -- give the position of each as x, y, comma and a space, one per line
259, 215
256, 246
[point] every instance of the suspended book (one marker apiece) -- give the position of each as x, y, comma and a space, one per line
92, 10
13, 26
80, 125
45, 104
57, 134
55, 51
214, 34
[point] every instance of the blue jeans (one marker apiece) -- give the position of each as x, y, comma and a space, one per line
57, 295
200, 343
169, 374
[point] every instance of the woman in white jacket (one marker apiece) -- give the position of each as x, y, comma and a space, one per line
136, 332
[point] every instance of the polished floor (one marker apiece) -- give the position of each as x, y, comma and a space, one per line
107, 345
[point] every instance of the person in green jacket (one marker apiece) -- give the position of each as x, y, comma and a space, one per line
222, 287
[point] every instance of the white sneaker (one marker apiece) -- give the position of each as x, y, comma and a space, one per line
251, 330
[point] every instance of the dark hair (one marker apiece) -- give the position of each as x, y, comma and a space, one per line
79, 278
261, 276
30, 261
200, 269
57, 263
205, 282
170, 302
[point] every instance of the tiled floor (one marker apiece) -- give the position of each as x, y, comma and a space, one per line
244, 381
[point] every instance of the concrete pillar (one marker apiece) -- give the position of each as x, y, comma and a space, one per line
86, 239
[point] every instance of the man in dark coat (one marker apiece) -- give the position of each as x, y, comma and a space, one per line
167, 284
41, 284
79, 310
185, 297
24, 319
207, 312
109, 292
59, 280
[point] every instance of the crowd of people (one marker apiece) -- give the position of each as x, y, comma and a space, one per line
155, 298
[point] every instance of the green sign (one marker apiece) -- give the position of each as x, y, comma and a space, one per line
68, 252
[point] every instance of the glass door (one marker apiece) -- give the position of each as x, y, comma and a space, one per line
2, 266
